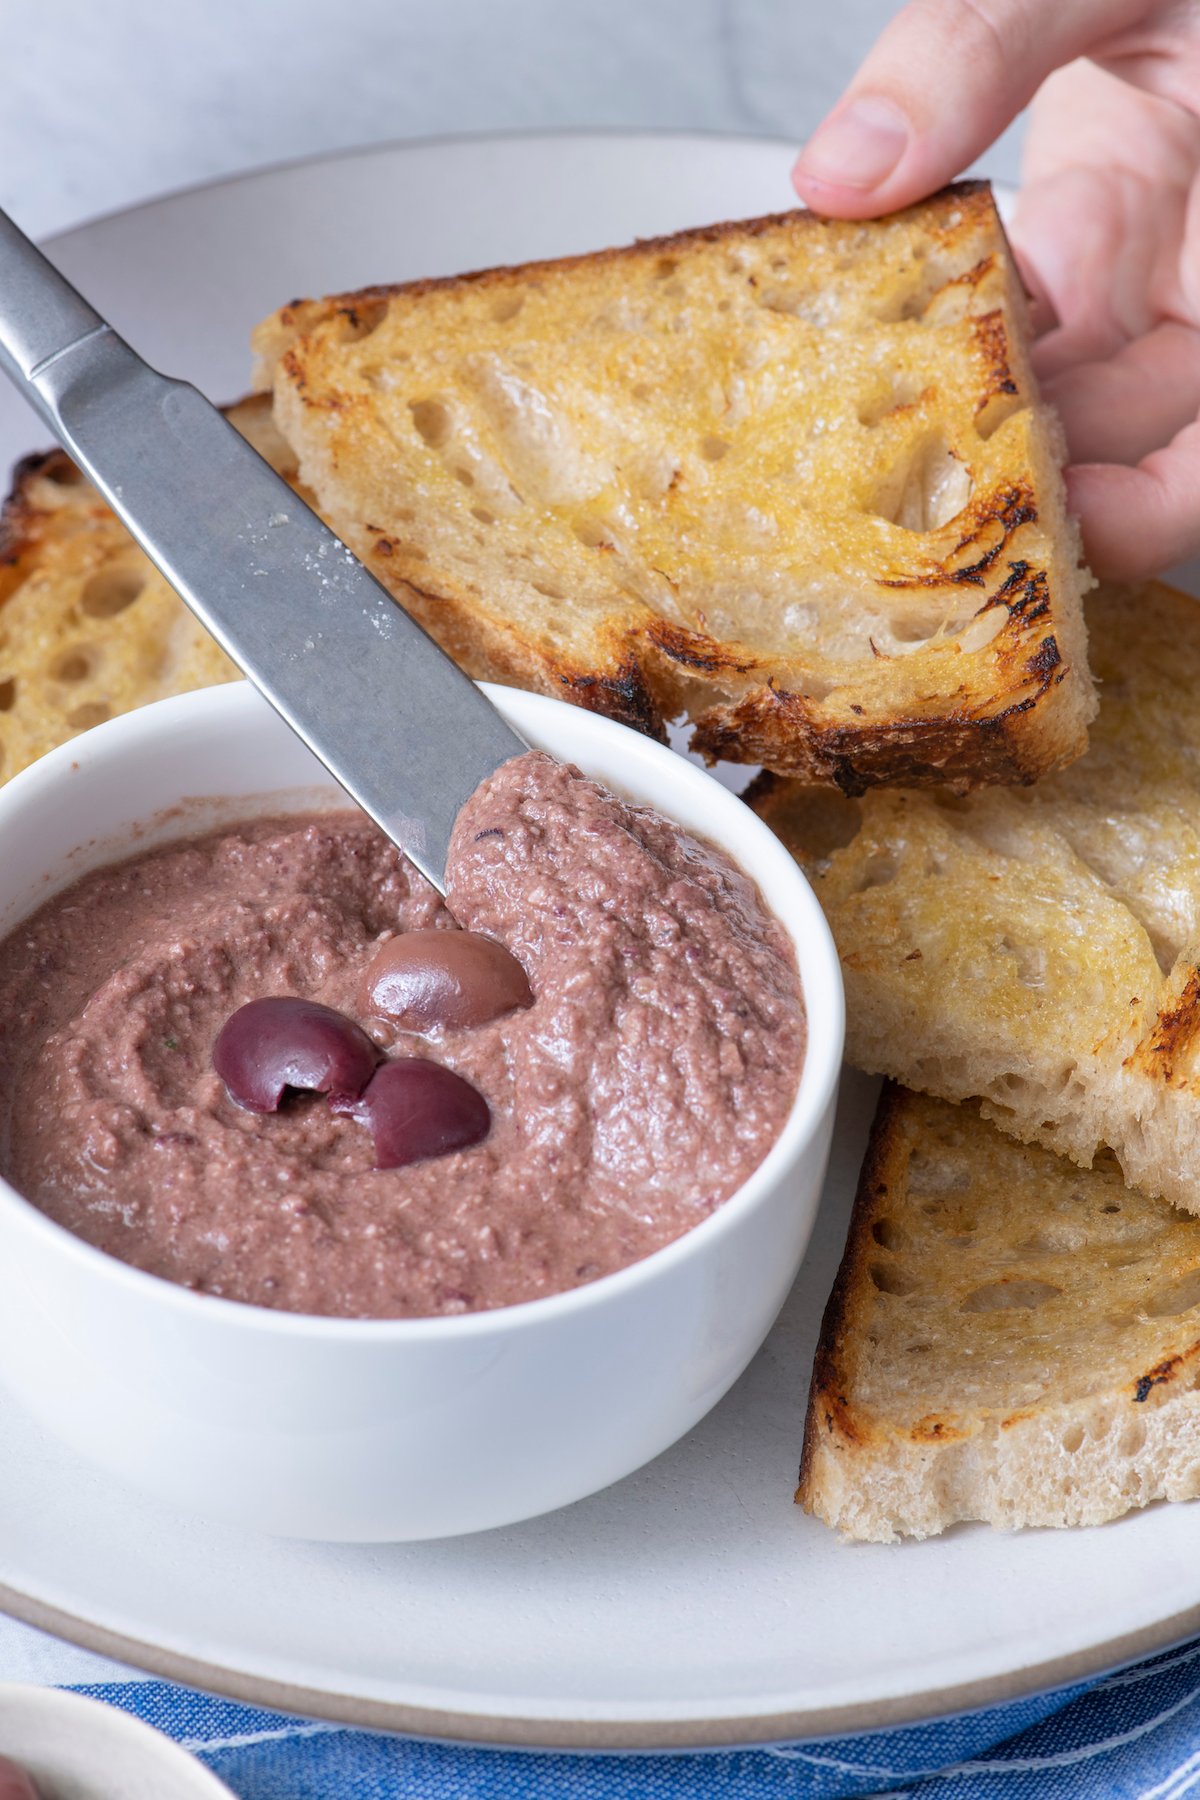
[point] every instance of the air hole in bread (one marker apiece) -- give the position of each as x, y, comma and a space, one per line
359, 321
992, 414
551, 593
889, 397
799, 303
910, 298
984, 627
1006, 1295
8, 694
665, 267
890, 1280
92, 712
1179, 1296
926, 488
912, 631
593, 532
506, 306
463, 474
642, 391
1072, 1439
433, 421
110, 592
72, 666
880, 869
889, 1234
712, 449
482, 514
1132, 1439
917, 1349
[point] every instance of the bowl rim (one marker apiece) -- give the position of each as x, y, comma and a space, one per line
104, 1723
808, 932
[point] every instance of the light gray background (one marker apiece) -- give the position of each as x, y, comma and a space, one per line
109, 101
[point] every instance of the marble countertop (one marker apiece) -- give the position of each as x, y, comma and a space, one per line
107, 105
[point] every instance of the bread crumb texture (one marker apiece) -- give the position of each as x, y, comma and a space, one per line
1010, 1339
88, 627
789, 478
1039, 948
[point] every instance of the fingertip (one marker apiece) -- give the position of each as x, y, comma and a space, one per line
833, 200
852, 155
1130, 530
1091, 500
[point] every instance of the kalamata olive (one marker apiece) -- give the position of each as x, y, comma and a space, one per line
15, 1784
423, 979
417, 1109
277, 1043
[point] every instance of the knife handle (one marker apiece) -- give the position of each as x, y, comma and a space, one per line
41, 315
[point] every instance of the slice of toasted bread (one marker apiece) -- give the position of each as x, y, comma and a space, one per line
790, 477
1040, 948
88, 627
1008, 1339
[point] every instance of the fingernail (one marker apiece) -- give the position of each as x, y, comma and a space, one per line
858, 147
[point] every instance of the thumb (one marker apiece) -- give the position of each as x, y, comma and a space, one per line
940, 85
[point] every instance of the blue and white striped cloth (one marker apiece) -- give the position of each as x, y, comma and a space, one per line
1132, 1736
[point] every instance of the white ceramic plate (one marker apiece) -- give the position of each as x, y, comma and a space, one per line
693, 1603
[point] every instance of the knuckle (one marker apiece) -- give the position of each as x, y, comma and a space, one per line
995, 35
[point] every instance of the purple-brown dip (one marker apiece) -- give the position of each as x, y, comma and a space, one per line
647, 1080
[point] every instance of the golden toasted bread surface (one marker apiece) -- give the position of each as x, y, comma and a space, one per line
1039, 948
1009, 1339
88, 627
789, 477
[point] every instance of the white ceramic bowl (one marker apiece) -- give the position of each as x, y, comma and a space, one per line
389, 1429
76, 1748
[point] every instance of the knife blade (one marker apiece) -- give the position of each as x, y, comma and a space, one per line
393, 719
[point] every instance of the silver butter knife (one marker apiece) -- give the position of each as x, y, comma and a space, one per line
403, 730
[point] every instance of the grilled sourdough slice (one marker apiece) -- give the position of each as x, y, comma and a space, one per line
88, 627
1040, 948
1008, 1339
790, 477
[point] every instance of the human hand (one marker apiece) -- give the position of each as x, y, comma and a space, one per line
1107, 229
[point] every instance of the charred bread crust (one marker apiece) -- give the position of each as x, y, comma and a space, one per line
831, 1421
21, 518
363, 307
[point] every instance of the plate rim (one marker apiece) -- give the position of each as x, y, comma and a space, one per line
434, 141
530, 1732
551, 1732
